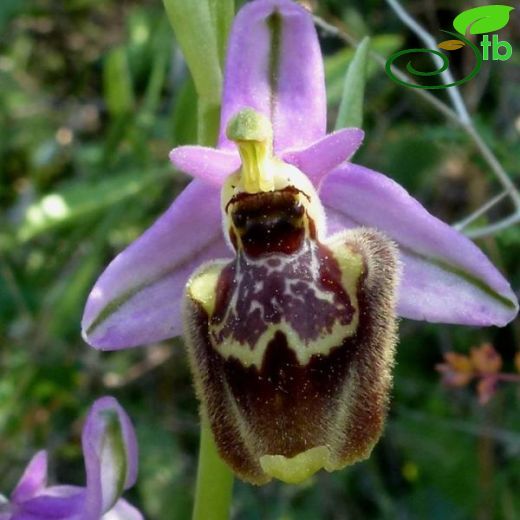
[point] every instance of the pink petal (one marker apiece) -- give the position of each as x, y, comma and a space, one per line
137, 299
34, 479
110, 452
446, 278
276, 72
206, 164
317, 159
54, 503
123, 511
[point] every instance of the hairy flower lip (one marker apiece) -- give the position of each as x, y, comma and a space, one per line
301, 369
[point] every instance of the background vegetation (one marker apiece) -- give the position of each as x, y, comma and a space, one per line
93, 95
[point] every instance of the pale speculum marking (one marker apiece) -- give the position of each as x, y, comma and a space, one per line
302, 296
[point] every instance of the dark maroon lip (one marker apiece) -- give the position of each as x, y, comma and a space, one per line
255, 201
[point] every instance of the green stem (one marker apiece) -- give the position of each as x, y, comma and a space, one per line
214, 481
207, 122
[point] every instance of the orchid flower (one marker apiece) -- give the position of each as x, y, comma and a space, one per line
307, 259
110, 451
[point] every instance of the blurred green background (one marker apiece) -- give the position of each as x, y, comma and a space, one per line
93, 95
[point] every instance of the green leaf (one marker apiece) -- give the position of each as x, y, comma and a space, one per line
82, 199
196, 33
336, 64
208, 118
161, 57
163, 487
184, 115
117, 83
66, 298
481, 20
222, 12
351, 106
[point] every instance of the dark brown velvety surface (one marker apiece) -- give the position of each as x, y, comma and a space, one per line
285, 407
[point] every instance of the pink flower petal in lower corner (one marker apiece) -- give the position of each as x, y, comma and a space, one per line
110, 453
34, 479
